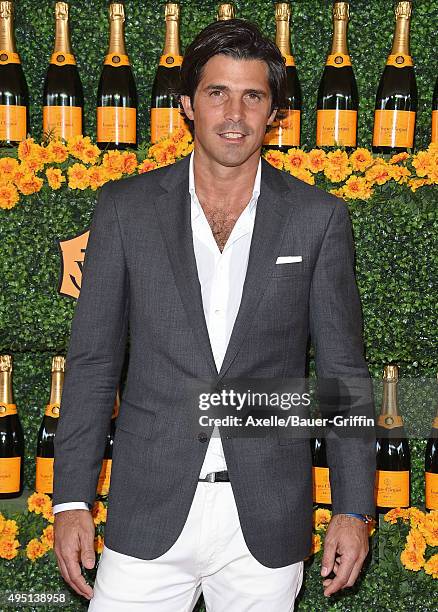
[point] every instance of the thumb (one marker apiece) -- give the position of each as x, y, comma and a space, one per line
328, 559
87, 553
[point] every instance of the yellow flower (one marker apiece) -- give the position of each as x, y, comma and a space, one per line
321, 518
146, 166
316, 160
395, 159
129, 162
26, 149
431, 566
379, 173
47, 538
42, 154
8, 196
416, 516
433, 147
356, 187
396, 513
78, 177
400, 174
8, 529
361, 159
55, 177
275, 158
90, 154
415, 541
429, 529
411, 559
295, 160
98, 513
48, 514
422, 162
414, 184
35, 548
316, 543
337, 166
76, 145
97, 177
29, 184
8, 548
58, 151
339, 193
8, 168
113, 164
98, 544
305, 175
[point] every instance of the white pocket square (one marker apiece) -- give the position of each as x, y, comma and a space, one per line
289, 259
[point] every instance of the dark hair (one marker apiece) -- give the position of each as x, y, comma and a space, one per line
239, 39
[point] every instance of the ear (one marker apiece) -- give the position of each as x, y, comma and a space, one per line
187, 106
272, 116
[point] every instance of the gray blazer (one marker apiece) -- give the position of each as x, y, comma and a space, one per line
140, 276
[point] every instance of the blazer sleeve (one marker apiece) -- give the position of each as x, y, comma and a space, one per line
335, 321
94, 358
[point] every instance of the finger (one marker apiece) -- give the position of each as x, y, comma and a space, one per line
343, 573
88, 557
328, 558
355, 572
78, 581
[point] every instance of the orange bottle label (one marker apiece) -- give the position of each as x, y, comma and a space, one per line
169, 60
62, 121
44, 475
392, 489
62, 59
434, 126
116, 60
338, 60
103, 483
336, 128
399, 60
285, 132
431, 491
10, 474
394, 128
12, 122
116, 124
289, 60
7, 409
321, 485
164, 121
52, 410
7, 57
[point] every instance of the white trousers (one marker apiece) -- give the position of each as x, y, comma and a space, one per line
210, 555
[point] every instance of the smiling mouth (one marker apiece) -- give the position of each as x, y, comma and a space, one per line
235, 136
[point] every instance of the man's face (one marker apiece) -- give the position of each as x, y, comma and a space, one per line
231, 109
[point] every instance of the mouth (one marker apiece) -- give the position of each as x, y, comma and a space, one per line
232, 136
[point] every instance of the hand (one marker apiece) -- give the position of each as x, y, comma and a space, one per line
348, 537
74, 533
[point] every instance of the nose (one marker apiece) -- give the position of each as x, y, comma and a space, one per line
234, 109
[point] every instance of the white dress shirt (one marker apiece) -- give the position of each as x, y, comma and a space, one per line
221, 276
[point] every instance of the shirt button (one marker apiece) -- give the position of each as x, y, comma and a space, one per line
202, 437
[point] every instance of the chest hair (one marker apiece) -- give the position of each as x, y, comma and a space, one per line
221, 222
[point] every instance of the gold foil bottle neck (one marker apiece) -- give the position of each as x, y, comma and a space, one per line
171, 11
403, 10
390, 373
117, 11
61, 11
282, 11
341, 11
6, 9
58, 363
5, 363
225, 11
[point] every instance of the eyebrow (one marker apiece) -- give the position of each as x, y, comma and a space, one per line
260, 92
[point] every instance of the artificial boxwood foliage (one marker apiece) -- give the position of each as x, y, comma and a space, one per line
395, 238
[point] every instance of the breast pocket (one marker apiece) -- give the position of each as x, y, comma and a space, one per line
287, 269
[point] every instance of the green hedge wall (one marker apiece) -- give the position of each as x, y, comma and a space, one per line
395, 237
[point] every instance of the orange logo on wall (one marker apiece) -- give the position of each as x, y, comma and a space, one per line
72, 260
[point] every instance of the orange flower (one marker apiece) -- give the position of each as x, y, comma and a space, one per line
8, 548
55, 177
339, 193
78, 177
113, 164
98, 513
361, 159
146, 166
98, 544
37, 502
26, 149
316, 543
395, 159
431, 566
47, 538
356, 187
415, 541
58, 151
8, 196
97, 177
422, 162
337, 166
316, 160
42, 154
396, 513
35, 548
76, 145
304, 175
416, 516
8, 529
379, 173
48, 514
275, 158
129, 162
8, 168
321, 518
414, 184
429, 529
411, 559
29, 184
90, 154
400, 174
295, 160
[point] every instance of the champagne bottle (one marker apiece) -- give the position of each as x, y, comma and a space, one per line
320, 472
47, 431
338, 97
14, 94
11, 436
117, 100
392, 485
165, 108
431, 467
285, 133
434, 137
396, 99
63, 98
103, 484
225, 11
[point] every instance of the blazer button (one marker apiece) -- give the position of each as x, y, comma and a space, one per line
202, 437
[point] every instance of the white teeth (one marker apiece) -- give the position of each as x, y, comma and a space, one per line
232, 135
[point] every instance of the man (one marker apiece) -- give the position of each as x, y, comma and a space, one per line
185, 257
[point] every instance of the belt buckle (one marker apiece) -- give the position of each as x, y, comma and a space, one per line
210, 477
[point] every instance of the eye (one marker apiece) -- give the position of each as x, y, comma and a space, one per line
254, 96
215, 91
